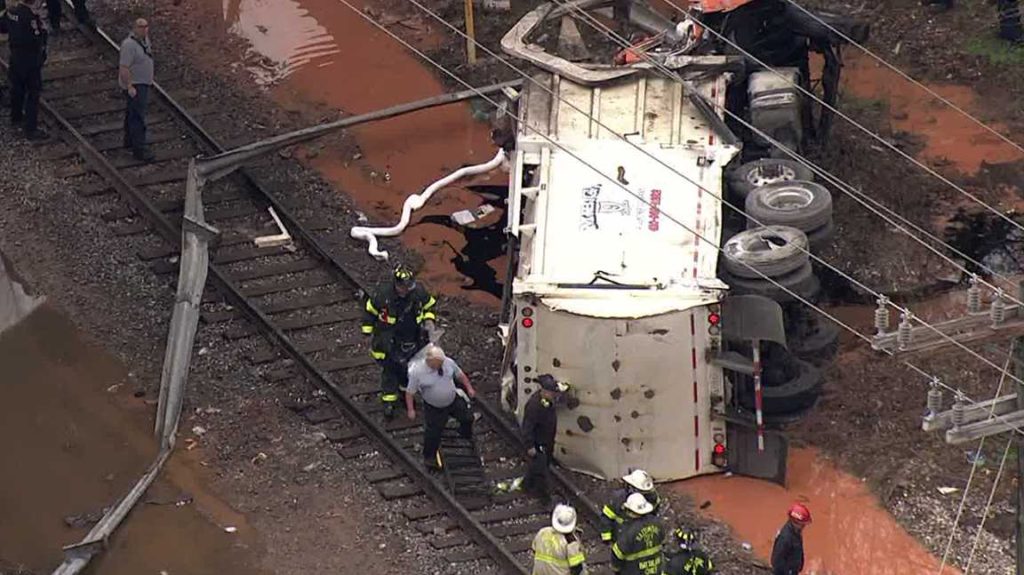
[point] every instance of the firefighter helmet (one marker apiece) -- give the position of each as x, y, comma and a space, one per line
685, 538
640, 480
638, 504
563, 518
799, 513
404, 276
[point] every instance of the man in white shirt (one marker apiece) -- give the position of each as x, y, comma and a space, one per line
434, 378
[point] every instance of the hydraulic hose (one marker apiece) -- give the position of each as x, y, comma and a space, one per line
417, 201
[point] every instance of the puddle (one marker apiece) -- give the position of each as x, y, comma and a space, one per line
947, 134
80, 440
988, 239
397, 157
283, 34
850, 531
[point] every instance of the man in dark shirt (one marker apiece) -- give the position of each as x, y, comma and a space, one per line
27, 37
55, 8
788, 550
540, 424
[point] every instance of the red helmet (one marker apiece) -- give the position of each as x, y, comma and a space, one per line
800, 513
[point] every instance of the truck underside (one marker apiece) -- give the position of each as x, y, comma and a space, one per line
615, 222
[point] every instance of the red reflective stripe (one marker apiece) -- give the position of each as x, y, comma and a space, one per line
696, 426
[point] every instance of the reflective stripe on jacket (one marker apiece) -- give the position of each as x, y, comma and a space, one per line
556, 554
389, 317
637, 547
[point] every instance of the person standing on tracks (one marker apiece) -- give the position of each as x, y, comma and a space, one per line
135, 77
400, 317
55, 9
27, 37
637, 546
540, 425
557, 549
613, 513
434, 378
788, 549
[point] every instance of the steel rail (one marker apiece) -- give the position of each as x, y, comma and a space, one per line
576, 494
171, 233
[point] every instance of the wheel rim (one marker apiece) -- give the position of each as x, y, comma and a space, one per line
789, 198
770, 174
757, 243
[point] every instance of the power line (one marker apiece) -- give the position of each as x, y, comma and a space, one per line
851, 121
988, 505
905, 312
934, 380
974, 468
909, 78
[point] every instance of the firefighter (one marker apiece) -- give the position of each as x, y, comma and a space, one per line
557, 549
400, 317
540, 424
613, 514
27, 37
690, 559
637, 546
788, 549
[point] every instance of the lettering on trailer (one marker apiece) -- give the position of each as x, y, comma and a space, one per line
620, 211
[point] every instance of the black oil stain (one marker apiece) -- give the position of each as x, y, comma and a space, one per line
649, 394
616, 365
616, 394
482, 246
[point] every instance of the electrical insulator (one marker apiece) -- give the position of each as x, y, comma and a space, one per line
959, 416
903, 332
882, 316
998, 310
974, 296
934, 400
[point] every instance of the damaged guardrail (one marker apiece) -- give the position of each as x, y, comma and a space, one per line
196, 236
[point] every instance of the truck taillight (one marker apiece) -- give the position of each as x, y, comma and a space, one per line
527, 313
714, 318
718, 457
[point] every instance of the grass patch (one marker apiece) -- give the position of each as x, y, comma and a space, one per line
996, 51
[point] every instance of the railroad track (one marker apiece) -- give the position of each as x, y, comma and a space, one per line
294, 310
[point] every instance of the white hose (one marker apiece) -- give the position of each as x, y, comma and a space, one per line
417, 201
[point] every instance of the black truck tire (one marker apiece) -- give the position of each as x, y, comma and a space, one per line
797, 394
819, 345
802, 282
819, 238
773, 251
804, 205
752, 175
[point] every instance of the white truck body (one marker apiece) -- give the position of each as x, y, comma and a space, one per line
615, 290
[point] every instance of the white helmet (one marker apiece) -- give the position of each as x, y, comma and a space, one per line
638, 504
639, 479
563, 518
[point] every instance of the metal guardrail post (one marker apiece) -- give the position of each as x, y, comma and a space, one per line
195, 259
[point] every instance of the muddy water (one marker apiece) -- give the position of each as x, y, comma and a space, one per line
851, 533
75, 439
327, 55
947, 133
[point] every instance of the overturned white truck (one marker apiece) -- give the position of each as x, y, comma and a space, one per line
614, 224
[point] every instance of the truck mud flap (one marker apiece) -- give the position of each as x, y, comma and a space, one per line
745, 459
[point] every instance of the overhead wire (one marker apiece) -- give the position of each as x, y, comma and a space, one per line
850, 120
988, 505
974, 468
697, 236
903, 310
908, 77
